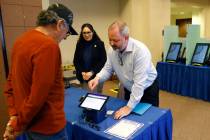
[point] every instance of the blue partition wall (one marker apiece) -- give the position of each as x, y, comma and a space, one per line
170, 35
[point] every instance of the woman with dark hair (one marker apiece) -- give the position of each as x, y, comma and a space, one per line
90, 56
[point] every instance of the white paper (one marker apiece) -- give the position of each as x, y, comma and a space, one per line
124, 128
93, 103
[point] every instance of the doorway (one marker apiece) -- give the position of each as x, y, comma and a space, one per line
182, 25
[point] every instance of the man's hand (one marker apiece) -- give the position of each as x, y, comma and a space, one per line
122, 112
9, 133
93, 83
83, 75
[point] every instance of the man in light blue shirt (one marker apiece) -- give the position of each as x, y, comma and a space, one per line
131, 61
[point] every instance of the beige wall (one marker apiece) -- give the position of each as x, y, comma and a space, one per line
206, 13
18, 16
140, 20
100, 13
174, 17
125, 11
199, 2
200, 16
159, 18
147, 19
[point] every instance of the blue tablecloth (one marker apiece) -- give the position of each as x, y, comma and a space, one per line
185, 80
157, 122
170, 76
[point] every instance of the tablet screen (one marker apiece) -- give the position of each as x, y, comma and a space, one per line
173, 51
200, 53
94, 101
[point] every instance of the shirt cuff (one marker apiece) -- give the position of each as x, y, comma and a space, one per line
100, 79
132, 103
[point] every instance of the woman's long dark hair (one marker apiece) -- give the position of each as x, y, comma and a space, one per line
95, 35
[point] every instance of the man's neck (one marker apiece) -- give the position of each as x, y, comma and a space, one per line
124, 48
47, 31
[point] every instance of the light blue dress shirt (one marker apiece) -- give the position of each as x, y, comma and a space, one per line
133, 67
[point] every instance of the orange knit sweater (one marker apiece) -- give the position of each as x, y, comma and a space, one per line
35, 89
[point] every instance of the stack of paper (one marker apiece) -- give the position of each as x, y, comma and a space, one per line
124, 129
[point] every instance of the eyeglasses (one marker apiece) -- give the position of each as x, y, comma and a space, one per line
112, 41
84, 33
120, 59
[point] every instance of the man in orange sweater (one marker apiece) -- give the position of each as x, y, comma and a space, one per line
35, 89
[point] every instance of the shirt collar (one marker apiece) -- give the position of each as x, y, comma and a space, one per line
129, 47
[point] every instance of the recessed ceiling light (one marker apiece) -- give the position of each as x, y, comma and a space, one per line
181, 13
195, 6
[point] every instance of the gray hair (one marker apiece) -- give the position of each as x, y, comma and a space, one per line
123, 28
47, 17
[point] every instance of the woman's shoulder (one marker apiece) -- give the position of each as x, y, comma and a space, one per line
99, 42
79, 43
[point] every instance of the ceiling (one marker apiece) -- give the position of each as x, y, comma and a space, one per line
187, 7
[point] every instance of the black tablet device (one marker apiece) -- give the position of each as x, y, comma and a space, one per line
173, 52
94, 101
200, 53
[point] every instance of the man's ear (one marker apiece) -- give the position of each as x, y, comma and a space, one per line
60, 25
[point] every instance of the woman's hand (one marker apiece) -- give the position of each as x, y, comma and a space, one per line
87, 75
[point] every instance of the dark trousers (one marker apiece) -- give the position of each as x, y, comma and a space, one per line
151, 94
61, 135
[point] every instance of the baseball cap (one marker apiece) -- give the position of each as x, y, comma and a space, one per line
65, 13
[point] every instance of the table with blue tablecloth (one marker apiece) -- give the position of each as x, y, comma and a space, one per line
157, 122
186, 80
